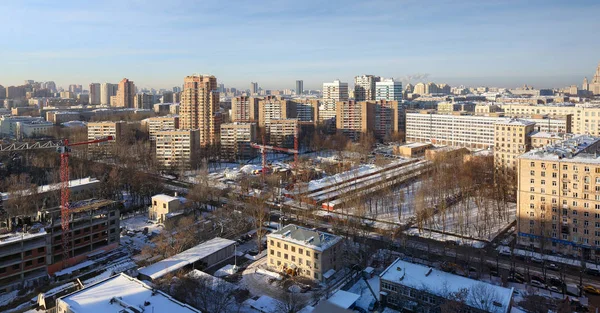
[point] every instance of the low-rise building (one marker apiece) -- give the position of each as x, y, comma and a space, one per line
412, 150
28, 129
409, 286
119, 294
162, 205
304, 252
542, 139
445, 153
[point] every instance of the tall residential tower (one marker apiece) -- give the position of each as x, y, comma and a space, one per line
199, 106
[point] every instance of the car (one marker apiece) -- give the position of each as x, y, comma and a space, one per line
552, 267
541, 280
591, 289
537, 259
505, 252
593, 271
537, 283
555, 289
556, 282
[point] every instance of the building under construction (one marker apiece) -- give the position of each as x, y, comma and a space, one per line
94, 226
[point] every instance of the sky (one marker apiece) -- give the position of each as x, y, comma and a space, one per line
157, 43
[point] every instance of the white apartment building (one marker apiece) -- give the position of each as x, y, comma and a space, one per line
8, 123
177, 148
466, 130
236, 139
97, 130
364, 87
332, 93
155, 124
388, 89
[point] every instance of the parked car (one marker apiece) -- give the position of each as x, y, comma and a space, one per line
556, 282
555, 289
540, 279
552, 267
537, 283
537, 259
505, 252
591, 289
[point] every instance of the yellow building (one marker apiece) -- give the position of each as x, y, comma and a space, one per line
511, 139
304, 252
161, 206
559, 197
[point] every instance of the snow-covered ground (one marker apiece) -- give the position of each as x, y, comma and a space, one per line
361, 288
551, 258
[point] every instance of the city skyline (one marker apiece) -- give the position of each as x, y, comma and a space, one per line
459, 43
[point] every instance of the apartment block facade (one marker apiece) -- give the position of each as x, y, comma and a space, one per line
177, 148
281, 132
244, 109
125, 96
381, 118
301, 251
23, 258
97, 130
332, 93
364, 87
236, 139
274, 108
462, 130
559, 198
389, 90
153, 125
199, 108
511, 139
585, 120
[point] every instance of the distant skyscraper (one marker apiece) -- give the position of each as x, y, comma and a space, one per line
49, 85
299, 87
364, 87
176, 89
198, 108
388, 90
594, 86
95, 93
253, 88
167, 97
107, 90
332, 93
75, 88
125, 94
2, 92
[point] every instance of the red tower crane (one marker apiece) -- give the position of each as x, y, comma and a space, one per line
263, 150
63, 147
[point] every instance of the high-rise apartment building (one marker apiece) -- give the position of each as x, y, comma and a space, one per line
364, 87
511, 139
167, 97
95, 93
281, 132
253, 88
177, 148
75, 88
307, 110
381, 118
107, 90
558, 201
236, 138
274, 108
125, 94
2, 92
143, 101
389, 90
199, 108
299, 87
244, 109
332, 93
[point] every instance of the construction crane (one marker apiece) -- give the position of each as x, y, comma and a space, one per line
63, 147
263, 150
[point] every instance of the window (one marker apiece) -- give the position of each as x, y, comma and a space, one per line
308, 263
272, 252
285, 256
316, 276
285, 247
293, 249
278, 244
164, 205
307, 253
272, 242
278, 254
29, 263
41, 249
28, 253
40, 260
316, 256
293, 258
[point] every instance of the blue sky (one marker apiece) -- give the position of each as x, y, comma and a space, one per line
156, 43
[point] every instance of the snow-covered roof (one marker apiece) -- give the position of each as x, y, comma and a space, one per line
343, 299
20, 236
186, 257
441, 283
582, 149
416, 145
122, 293
267, 304
306, 237
214, 283
516, 122
546, 135
54, 187
164, 198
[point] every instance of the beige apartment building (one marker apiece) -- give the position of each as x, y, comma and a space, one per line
153, 125
177, 148
584, 121
125, 97
274, 108
380, 117
542, 139
483, 109
559, 198
143, 101
199, 108
244, 109
236, 138
97, 130
511, 139
301, 251
162, 206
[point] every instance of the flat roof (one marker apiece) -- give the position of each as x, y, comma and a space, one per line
121, 292
343, 299
303, 236
582, 148
416, 145
441, 283
164, 198
186, 257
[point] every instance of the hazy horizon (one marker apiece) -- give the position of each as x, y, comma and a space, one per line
274, 43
